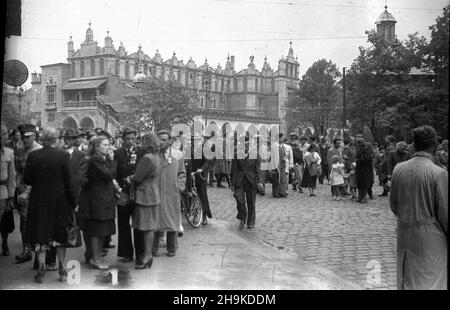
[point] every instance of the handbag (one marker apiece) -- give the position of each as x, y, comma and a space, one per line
123, 199
73, 234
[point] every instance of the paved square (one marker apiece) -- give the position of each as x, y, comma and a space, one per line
342, 236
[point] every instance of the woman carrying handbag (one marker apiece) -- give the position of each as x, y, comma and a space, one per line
313, 169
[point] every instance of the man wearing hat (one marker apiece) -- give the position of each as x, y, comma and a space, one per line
173, 181
28, 133
127, 157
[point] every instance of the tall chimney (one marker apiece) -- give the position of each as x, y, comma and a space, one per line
232, 62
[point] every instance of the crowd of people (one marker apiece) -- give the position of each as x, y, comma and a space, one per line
55, 178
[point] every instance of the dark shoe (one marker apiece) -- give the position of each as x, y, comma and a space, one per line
104, 250
275, 196
283, 196
220, 186
204, 221
250, 226
62, 273
170, 254
127, 259
300, 190
363, 200
180, 234
109, 246
51, 267
371, 196
155, 254
41, 273
147, 264
5, 250
241, 224
24, 257
383, 195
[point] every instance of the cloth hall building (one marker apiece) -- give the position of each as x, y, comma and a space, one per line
87, 91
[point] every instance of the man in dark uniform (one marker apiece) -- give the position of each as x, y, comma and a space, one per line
245, 176
126, 157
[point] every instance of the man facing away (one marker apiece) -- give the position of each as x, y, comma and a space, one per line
419, 199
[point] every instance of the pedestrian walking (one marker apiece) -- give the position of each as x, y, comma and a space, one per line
245, 178
147, 200
51, 203
419, 199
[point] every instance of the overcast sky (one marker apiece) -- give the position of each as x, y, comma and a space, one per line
331, 29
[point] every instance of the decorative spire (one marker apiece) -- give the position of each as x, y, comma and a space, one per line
252, 58
139, 46
265, 58
174, 54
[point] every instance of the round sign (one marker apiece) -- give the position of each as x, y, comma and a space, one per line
15, 73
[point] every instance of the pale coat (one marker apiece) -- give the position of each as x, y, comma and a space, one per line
172, 180
337, 174
419, 199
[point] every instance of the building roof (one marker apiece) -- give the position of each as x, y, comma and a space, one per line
84, 84
385, 17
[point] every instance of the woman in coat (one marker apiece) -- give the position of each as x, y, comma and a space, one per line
312, 160
98, 198
52, 201
364, 169
147, 199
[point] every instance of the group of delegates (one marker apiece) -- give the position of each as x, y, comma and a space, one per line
63, 183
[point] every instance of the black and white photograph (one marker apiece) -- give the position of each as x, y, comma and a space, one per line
248, 146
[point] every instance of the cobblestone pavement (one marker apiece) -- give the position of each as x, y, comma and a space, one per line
346, 237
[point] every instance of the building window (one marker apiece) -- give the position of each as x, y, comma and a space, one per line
245, 84
82, 69
214, 103
51, 117
73, 69
273, 85
50, 94
92, 67
146, 69
201, 102
136, 68
235, 86
256, 85
102, 67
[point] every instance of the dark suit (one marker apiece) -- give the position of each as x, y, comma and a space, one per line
75, 160
245, 176
125, 168
200, 183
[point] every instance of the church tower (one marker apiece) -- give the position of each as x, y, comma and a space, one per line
386, 26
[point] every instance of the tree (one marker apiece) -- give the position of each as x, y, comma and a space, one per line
382, 92
155, 104
316, 101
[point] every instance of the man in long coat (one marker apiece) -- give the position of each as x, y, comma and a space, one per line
172, 182
419, 199
245, 178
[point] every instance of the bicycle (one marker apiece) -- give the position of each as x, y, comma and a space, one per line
194, 211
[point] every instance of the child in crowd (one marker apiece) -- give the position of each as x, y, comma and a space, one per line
352, 182
336, 179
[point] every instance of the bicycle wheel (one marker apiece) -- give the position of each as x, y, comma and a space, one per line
194, 212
